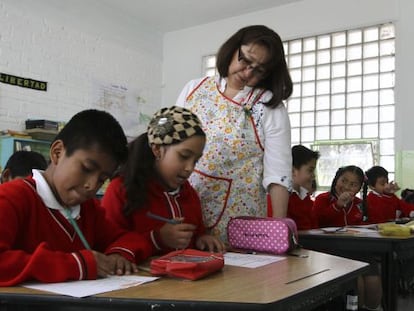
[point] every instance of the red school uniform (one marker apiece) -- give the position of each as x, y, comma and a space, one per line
183, 203
39, 243
328, 215
300, 210
383, 208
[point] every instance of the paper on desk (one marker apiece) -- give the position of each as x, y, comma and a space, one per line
91, 287
249, 260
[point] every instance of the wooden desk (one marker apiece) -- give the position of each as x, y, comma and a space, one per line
291, 284
389, 249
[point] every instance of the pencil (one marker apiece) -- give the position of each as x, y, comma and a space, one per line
167, 220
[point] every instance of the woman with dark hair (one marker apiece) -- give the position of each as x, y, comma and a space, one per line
248, 149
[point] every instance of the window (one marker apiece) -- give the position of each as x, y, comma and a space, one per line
343, 90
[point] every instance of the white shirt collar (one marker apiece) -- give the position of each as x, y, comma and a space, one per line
302, 192
44, 191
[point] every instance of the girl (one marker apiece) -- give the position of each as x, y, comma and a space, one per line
154, 182
340, 207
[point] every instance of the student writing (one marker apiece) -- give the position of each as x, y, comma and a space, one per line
37, 241
154, 180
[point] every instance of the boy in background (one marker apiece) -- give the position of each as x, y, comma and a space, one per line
53, 228
303, 179
21, 163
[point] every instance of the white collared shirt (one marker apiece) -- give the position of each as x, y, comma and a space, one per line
44, 191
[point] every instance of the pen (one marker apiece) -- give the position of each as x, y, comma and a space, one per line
167, 220
77, 229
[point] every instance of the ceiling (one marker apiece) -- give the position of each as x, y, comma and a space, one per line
160, 15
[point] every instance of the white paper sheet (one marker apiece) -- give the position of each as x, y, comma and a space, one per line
91, 287
249, 260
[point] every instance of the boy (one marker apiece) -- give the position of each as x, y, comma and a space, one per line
53, 229
383, 204
303, 177
21, 163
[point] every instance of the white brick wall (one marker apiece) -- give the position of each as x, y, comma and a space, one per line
75, 64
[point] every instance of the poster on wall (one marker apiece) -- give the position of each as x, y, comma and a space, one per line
23, 82
127, 106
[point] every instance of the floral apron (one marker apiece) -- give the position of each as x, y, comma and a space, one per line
229, 175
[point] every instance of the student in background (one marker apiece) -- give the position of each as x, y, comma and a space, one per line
21, 163
53, 229
303, 175
340, 206
383, 204
248, 150
154, 180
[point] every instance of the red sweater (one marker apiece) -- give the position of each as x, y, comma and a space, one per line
38, 243
301, 211
383, 208
328, 215
185, 203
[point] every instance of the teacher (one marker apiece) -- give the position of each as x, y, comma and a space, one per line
248, 149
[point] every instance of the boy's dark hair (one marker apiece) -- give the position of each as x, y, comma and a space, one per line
374, 173
22, 162
94, 128
302, 155
408, 195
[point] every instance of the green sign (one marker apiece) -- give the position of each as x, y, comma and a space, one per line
23, 82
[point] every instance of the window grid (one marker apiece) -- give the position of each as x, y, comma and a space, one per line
343, 88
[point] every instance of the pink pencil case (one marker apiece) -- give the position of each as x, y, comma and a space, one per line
262, 234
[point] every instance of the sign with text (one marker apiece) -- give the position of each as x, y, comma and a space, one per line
23, 82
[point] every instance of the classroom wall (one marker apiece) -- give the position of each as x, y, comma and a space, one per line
183, 50
85, 66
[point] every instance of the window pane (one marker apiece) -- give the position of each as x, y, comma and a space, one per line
354, 100
371, 66
324, 42
322, 118
309, 44
387, 97
354, 52
371, 49
211, 72
387, 130
369, 130
387, 47
371, 82
322, 87
354, 36
295, 46
387, 146
308, 103
370, 115
293, 105
338, 39
324, 72
309, 59
354, 68
338, 132
309, 73
354, 84
295, 61
338, 101
322, 133
388, 162
370, 98
297, 87
338, 55
338, 117
387, 113
338, 70
308, 134
353, 131
295, 135
371, 34
324, 57
296, 75
387, 64
353, 116
338, 86
308, 118
308, 88
387, 80
387, 31
322, 102
294, 119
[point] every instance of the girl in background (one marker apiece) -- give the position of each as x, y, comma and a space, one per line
154, 182
340, 206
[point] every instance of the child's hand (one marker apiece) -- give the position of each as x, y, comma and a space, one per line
113, 264
391, 187
177, 235
210, 243
345, 200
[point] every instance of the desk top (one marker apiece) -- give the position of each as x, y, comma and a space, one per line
285, 279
